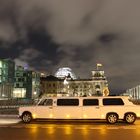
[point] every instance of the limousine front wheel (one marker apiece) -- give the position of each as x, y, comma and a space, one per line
112, 118
130, 118
26, 117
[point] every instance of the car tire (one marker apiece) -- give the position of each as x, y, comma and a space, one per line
26, 117
130, 118
112, 118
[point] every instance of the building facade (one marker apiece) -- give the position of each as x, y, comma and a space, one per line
52, 86
27, 83
96, 86
7, 69
36, 91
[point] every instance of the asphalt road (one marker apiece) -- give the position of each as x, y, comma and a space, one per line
14, 129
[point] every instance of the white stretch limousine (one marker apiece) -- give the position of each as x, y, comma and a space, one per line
110, 108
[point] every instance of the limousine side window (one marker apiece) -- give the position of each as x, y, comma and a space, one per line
115, 101
67, 102
90, 102
46, 102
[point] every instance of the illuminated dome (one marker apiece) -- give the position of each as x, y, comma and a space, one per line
63, 72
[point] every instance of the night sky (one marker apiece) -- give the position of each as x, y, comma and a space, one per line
48, 34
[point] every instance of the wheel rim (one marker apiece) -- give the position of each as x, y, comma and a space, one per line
112, 118
130, 118
26, 118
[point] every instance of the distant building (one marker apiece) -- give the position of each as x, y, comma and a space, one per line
35, 84
51, 86
67, 86
96, 86
20, 83
7, 69
134, 93
27, 83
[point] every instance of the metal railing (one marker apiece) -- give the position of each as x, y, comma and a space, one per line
13, 103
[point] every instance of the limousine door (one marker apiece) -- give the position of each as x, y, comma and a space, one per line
67, 109
44, 109
91, 109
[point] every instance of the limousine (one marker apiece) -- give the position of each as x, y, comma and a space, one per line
109, 108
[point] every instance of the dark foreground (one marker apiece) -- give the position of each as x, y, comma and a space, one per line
13, 129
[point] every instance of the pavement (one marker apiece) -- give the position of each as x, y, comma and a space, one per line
15, 130
9, 116
6, 116
9, 113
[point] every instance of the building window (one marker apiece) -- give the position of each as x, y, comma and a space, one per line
22, 79
19, 74
97, 86
19, 93
19, 79
115, 101
17, 84
67, 102
90, 102
24, 84
21, 84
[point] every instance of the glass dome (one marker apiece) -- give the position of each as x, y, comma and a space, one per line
63, 72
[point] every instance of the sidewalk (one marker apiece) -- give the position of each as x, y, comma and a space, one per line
9, 119
9, 113
8, 116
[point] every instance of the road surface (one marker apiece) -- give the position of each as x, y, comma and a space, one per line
14, 129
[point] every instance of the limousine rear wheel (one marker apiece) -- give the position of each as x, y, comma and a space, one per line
26, 117
130, 118
112, 118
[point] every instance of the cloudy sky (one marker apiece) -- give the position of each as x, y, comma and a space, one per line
48, 34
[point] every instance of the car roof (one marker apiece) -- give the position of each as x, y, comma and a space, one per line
88, 97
